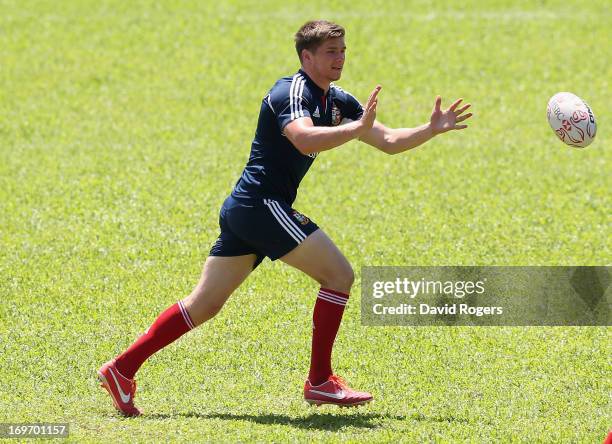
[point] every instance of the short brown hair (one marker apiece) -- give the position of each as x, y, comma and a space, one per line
312, 34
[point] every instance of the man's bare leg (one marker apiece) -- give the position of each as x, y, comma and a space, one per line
319, 258
220, 277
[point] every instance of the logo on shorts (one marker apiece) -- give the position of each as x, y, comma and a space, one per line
300, 218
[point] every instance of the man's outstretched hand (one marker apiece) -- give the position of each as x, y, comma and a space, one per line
443, 121
369, 112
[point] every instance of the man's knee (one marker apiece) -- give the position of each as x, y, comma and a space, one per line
203, 305
340, 279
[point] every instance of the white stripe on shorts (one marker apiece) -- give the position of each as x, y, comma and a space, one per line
289, 221
284, 221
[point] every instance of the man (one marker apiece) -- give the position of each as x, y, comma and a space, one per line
301, 116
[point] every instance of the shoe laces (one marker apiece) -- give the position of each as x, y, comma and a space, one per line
339, 380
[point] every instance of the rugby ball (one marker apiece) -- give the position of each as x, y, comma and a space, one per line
571, 119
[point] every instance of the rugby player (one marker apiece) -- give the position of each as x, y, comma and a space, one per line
301, 116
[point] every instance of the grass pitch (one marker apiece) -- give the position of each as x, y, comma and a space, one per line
123, 125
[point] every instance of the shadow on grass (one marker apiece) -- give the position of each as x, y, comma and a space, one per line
320, 421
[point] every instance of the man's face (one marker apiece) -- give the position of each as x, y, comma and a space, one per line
328, 59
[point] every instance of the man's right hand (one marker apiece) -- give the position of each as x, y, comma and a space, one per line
369, 111
308, 138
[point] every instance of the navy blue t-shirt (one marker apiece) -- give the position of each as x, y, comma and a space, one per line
276, 167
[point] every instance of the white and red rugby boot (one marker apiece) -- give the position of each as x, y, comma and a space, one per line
120, 388
334, 391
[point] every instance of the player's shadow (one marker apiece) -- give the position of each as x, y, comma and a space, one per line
320, 421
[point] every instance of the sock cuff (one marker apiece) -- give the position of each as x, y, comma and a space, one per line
335, 292
186, 316
333, 296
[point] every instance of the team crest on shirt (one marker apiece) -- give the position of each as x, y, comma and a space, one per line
300, 218
336, 116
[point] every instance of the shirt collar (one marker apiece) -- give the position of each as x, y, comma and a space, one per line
311, 82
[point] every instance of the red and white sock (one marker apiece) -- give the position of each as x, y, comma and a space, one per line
167, 328
326, 319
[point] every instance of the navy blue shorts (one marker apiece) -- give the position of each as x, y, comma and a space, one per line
264, 227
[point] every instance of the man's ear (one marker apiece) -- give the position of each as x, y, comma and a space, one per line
306, 55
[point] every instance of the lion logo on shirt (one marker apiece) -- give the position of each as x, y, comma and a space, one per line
336, 115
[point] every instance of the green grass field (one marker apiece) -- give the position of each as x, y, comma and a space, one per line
123, 126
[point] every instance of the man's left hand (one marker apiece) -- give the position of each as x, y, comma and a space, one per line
443, 121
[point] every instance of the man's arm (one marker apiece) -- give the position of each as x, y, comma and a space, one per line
396, 140
308, 138
393, 141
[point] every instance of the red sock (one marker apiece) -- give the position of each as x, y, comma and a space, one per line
325, 323
167, 328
